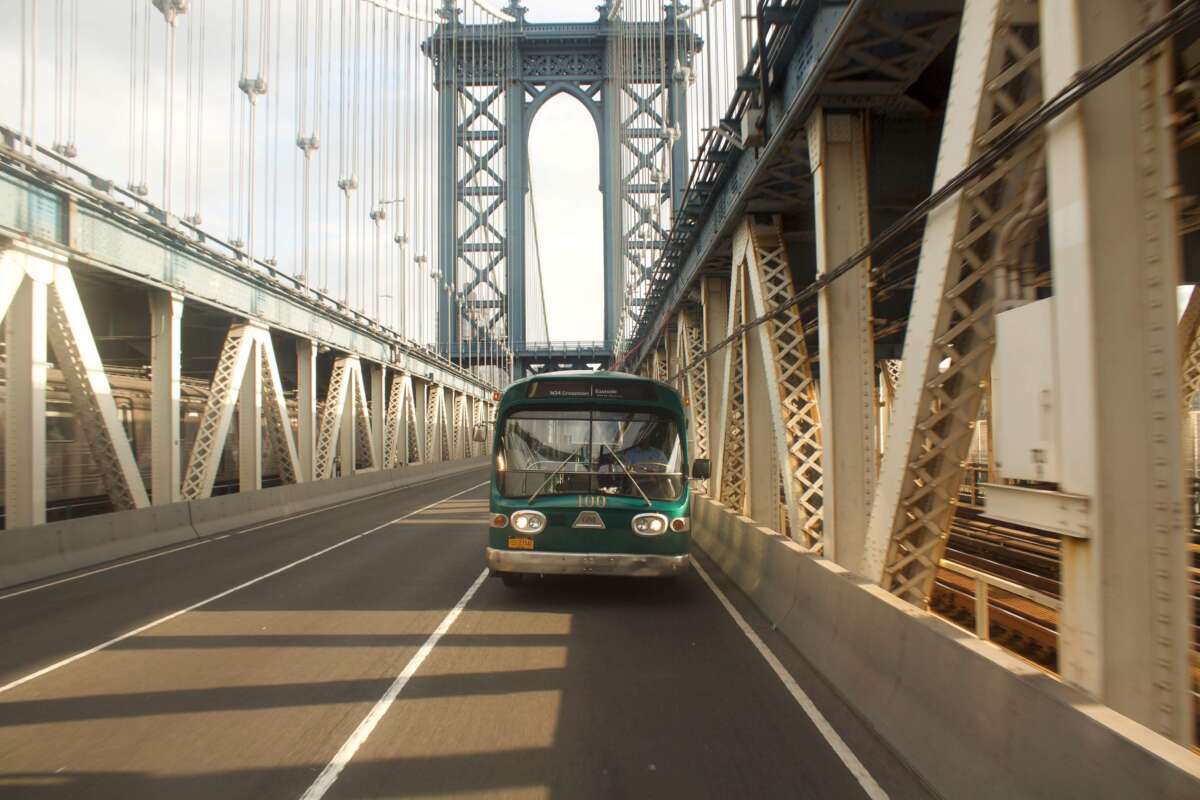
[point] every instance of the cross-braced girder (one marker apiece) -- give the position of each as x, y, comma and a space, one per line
760, 252
247, 351
948, 347
92, 401
481, 141
730, 479
693, 381
345, 422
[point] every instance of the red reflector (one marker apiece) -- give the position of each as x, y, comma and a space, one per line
499, 520
679, 524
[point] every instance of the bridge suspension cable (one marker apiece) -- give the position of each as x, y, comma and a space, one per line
1179, 18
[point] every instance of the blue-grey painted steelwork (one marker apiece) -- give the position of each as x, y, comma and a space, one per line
823, 53
91, 226
540, 61
716, 204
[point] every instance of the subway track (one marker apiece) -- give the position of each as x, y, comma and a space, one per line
1029, 558
362, 652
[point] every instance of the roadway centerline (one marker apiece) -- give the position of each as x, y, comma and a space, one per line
839, 746
334, 768
167, 618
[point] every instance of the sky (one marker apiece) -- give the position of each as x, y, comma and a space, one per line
564, 174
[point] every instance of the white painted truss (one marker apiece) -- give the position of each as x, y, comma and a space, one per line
246, 378
38, 299
760, 259
950, 335
729, 475
693, 383
345, 432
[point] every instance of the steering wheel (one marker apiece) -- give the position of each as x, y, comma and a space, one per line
651, 467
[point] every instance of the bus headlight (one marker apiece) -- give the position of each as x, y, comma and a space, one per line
528, 521
650, 524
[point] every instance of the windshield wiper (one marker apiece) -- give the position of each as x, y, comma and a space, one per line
557, 470
636, 485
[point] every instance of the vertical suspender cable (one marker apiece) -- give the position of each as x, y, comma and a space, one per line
169, 106
145, 155
133, 40
235, 145
71, 150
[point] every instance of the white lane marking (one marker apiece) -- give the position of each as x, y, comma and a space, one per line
346, 752
282, 520
843, 751
129, 634
70, 578
120, 564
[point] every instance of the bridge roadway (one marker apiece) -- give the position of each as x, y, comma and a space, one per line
244, 665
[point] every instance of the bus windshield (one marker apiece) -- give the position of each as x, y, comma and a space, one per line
620, 453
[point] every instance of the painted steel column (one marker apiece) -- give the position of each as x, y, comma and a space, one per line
516, 185
25, 404
378, 406
250, 423
610, 190
838, 159
348, 432
306, 405
447, 255
420, 398
1112, 174
671, 356
762, 470
714, 294
166, 343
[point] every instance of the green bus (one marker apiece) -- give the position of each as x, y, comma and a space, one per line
590, 476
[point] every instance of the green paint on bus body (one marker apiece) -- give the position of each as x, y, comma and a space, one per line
616, 512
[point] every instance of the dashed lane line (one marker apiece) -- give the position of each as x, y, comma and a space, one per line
346, 752
142, 629
207, 540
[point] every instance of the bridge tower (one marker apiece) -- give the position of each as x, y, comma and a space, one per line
491, 80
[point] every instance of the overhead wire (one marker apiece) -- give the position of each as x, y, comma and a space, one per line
1182, 16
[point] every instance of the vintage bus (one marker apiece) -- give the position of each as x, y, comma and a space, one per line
590, 476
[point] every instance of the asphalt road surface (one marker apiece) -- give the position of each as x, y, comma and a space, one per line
360, 651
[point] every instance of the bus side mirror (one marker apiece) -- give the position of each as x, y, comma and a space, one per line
479, 434
702, 469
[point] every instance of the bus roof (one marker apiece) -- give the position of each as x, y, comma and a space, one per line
664, 395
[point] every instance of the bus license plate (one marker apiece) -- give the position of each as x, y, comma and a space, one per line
520, 543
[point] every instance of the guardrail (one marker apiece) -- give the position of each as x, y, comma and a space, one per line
984, 583
65, 176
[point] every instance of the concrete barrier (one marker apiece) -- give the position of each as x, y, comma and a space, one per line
972, 719
29, 554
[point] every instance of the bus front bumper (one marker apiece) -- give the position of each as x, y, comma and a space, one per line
585, 563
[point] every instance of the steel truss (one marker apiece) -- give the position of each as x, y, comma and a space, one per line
345, 430
246, 354
460, 446
39, 297
481, 245
694, 382
730, 481
761, 262
950, 336
400, 425
438, 436
491, 81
